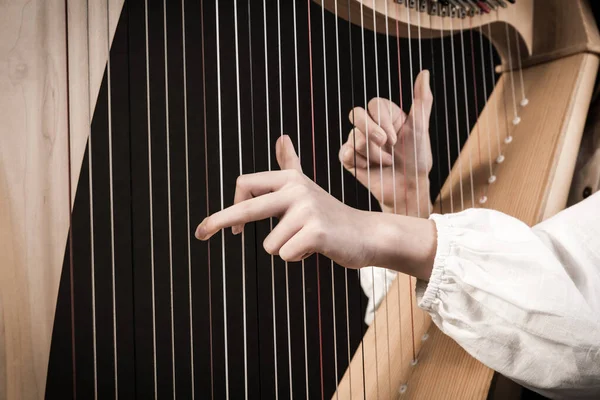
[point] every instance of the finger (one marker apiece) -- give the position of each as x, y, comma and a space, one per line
350, 159
421, 108
256, 209
375, 155
385, 113
299, 247
258, 184
361, 120
286, 155
287, 227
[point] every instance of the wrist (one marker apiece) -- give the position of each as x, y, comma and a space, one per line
407, 201
404, 244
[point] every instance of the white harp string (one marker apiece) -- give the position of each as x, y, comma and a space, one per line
422, 104
418, 201
399, 137
223, 263
112, 214
516, 120
300, 159
168, 148
391, 146
524, 100
287, 284
460, 169
362, 28
151, 203
241, 172
270, 219
335, 356
380, 173
91, 194
187, 199
468, 121
500, 157
492, 178
339, 101
450, 174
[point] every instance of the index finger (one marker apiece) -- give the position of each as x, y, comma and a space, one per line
256, 209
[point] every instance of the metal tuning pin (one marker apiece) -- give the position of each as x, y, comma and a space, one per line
423, 6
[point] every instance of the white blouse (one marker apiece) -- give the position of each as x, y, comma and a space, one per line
523, 301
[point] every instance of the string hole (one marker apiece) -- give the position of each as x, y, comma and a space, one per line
492, 179
524, 102
508, 139
500, 159
414, 362
517, 121
483, 200
403, 389
425, 336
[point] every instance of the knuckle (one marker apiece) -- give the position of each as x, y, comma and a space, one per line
240, 182
269, 247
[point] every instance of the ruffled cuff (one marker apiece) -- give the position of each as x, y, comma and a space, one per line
428, 291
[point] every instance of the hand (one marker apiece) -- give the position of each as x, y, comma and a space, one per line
312, 221
392, 136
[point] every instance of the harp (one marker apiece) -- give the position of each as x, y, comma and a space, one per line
56, 60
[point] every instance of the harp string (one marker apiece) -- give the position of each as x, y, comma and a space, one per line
241, 171
187, 201
312, 113
339, 100
422, 126
403, 149
492, 177
467, 123
435, 119
151, 202
455, 87
358, 273
332, 268
422, 113
223, 261
207, 198
516, 120
169, 225
287, 285
500, 157
297, 104
91, 195
270, 219
418, 202
70, 202
524, 100
450, 174
482, 198
111, 197
389, 78
380, 172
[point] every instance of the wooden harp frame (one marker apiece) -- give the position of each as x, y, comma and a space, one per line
559, 46
559, 43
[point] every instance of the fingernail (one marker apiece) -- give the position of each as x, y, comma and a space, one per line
236, 229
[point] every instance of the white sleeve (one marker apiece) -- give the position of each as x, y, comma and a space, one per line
524, 301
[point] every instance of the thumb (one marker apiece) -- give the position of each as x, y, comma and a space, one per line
420, 111
286, 155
